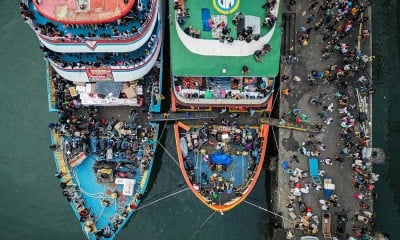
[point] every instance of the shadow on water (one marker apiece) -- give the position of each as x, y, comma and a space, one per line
270, 165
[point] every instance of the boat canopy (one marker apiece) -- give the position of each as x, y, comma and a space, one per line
109, 88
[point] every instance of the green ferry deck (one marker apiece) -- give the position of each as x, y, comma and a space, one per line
186, 63
216, 69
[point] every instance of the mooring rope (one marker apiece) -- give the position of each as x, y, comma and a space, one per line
155, 201
202, 225
268, 211
169, 154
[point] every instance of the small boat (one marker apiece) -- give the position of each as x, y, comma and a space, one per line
104, 71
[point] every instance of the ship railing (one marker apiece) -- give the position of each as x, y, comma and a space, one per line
236, 94
65, 39
119, 67
62, 165
52, 94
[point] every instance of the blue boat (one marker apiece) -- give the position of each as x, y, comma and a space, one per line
104, 78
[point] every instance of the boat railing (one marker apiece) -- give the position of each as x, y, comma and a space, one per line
62, 165
58, 64
182, 15
66, 39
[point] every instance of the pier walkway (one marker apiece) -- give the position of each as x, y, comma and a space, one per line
321, 73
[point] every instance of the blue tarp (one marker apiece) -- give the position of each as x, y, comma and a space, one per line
285, 165
221, 159
313, 165
314, 171
205, 16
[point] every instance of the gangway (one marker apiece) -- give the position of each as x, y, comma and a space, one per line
302, 126
176, 116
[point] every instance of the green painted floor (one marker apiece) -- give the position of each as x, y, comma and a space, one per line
186, 63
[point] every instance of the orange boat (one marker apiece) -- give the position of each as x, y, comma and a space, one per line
224, 62
221, 164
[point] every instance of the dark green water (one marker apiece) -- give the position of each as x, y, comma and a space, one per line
31, 203
386, 71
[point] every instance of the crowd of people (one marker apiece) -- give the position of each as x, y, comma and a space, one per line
124, 28
223, 29
86, 129
82, 60
271, 13
225, 88
337, 22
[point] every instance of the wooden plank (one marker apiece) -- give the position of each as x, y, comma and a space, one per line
294, 126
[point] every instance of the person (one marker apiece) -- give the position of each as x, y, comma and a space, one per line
328, 161
257, 55
290, 206
59, 174
252, 112
54, 147
211, 23
285, 78
235, 116
285, 91
295, 158
176, 5
245, 69
365, 33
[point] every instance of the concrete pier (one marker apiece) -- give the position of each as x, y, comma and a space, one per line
313, 85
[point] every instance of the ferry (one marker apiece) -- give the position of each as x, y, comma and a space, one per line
104, 79
224, 60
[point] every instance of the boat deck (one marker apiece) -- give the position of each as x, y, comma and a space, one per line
105, 166
220, 162
132, 20
223, 90
221, 64
195, 17
129, 60
83, 11
93, 192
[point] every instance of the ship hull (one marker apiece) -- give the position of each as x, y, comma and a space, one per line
104, 145
218, 163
